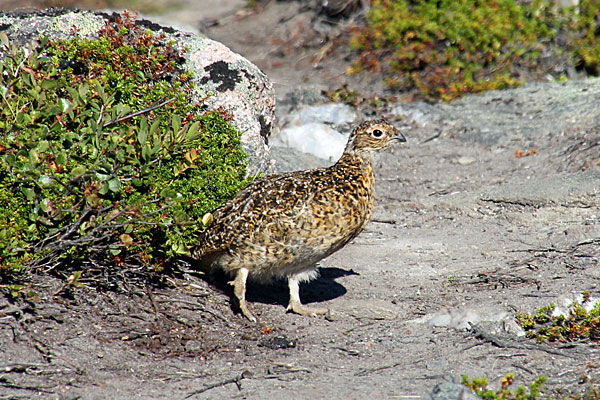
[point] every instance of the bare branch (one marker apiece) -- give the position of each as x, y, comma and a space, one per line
140, 112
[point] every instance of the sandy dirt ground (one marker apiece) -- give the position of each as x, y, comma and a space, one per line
464, 235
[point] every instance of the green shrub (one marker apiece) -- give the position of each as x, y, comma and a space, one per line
447, 48
579, 324
103, 157
479, 387
587, 42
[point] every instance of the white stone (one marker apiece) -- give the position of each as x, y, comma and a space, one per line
315, 138
465, 160
461, 318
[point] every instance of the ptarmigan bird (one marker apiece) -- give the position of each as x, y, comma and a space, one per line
282, 225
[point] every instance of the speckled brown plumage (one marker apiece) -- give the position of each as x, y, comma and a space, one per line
282, 225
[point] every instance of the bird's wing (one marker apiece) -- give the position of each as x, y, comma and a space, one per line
236, 220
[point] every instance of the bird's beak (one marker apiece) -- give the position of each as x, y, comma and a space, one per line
399, 137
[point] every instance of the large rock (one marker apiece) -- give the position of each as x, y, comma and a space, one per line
225, 80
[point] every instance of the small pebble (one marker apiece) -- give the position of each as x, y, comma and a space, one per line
277, 342
464, 160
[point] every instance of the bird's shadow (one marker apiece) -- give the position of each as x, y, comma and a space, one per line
318, 290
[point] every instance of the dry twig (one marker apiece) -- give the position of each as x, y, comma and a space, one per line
237, 380
140, 112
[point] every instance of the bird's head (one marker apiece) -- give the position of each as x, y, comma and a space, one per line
373, 135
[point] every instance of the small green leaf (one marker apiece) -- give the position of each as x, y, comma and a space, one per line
64, 105
102, 177
49, 84
168, 193
61, 159
176, 123
122, 110
154, 127
179, 248
155, 149
207, 219
29, 193
83, 90
126, 239
114, 185
104, 188
26, 78
145, 153
193, 130
105, 167
43, 145
45, 180
101, 93
34, 94
121, 156
34, 156
74, 94
78, 171
4, 40
10, 159
21, 117
142, 135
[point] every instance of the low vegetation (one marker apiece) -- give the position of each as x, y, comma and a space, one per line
445, 49
580, 323
104, 158
534, 391
479, 386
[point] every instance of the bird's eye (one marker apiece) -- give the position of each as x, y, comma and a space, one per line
377, 133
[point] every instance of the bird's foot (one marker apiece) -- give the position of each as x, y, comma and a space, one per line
245, 311
239, 289
299, 308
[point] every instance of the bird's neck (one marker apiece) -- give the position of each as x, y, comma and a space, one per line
353, 157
